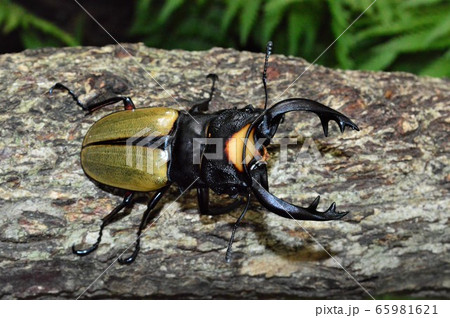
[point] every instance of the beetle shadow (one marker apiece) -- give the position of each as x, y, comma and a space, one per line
304, 249
301, 249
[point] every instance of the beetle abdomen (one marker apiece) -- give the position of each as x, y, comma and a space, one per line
129, 149
134, 168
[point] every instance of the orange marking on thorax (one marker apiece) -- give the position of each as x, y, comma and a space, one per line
234, 148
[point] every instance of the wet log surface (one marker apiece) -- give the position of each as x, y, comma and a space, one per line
393, 176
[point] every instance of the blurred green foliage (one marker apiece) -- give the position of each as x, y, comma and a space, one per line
411, 35
34, 31
393, 35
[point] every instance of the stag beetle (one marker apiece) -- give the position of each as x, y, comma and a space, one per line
181, 153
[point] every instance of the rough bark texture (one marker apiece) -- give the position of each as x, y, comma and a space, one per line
393, 176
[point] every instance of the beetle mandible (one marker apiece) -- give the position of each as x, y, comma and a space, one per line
178, 158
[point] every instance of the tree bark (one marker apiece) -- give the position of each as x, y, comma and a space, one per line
393, 176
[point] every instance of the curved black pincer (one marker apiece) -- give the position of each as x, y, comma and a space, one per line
288, 210
276, 112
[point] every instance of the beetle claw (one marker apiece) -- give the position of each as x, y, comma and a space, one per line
126, 261
130, 259
85, 251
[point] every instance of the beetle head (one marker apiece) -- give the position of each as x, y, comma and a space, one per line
265, 126
221, 165
258, 127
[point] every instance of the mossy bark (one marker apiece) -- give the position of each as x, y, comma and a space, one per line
393, 176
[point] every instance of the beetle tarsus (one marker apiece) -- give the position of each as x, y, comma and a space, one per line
213, 77
204, 105
90, 108
127, 201
230, 243
130, 259
85, 251
71, 93
144, 221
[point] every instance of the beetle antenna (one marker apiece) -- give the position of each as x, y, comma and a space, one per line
264, 75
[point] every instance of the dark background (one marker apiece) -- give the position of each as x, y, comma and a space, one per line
392, 35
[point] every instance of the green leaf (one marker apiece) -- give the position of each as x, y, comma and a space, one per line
344, 45
399, 27
141, 13
31, 40
273, 14
296, 26
340, 17
13, 19
230, 13
386, 13
413, 42
248, 18
51, 29
3, 12
379, 60
439, 67
405, 5
440, 30
169, 7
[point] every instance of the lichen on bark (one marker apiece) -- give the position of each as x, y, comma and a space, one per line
392, 176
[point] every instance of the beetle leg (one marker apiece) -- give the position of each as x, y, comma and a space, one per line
71, 93
230, 243
205, 209
127, 201
145, 218
203, 106
127, 102
288, 210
